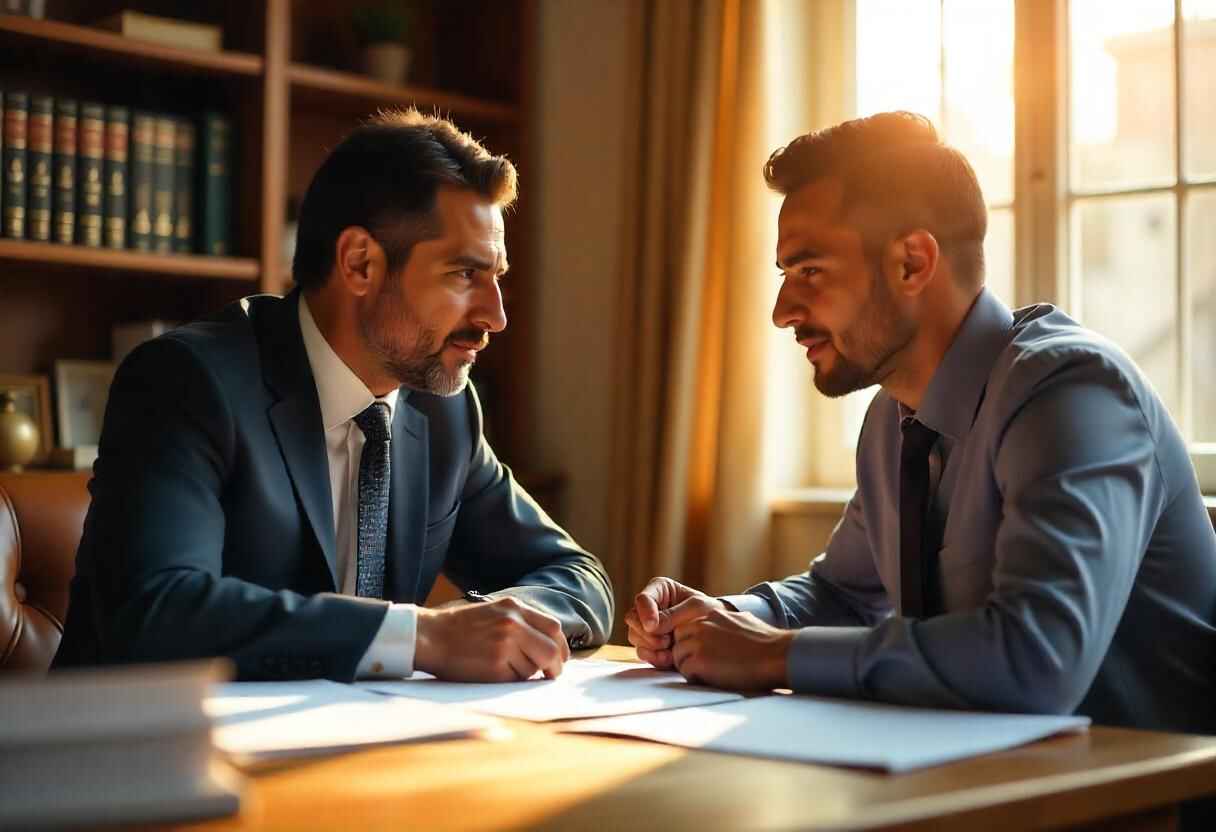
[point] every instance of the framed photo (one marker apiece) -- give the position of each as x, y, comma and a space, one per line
32, 396
81, 391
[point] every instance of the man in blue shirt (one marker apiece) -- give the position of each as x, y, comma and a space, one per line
1027, 532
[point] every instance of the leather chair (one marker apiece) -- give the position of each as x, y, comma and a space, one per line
41, 519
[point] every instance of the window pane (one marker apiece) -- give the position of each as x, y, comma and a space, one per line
1128, 278
1122, 73
1201, 270
978, 120
891, 76
998, 255
1199, 100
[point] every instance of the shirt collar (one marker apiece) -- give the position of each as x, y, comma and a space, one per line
342, 394
953, 396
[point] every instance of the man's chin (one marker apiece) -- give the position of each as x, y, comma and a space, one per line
437, 379
837, 384
450, 382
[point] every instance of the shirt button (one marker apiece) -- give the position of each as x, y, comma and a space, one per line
377, 667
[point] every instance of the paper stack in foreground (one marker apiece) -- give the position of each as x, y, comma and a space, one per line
123, 745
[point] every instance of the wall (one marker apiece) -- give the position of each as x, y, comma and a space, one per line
575, 196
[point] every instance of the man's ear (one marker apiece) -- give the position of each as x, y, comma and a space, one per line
918, 255
359, 260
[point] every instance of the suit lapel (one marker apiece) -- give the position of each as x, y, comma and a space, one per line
296, 419
408, 496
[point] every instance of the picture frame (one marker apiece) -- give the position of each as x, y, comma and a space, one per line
32, 396
81, 391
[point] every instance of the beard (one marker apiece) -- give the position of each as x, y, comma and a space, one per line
411, 352
879, 332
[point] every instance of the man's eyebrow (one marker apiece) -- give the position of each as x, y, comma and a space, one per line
798, 257
471, 262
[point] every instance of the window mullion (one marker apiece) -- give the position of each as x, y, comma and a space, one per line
1040, 152
1185, 324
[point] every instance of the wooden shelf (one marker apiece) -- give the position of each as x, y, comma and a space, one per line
84, 257
120, 48
348, 92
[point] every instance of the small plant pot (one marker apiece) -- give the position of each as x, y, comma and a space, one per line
387, 62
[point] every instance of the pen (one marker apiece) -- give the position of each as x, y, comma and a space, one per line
475, 597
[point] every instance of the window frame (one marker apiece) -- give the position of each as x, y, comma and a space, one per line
1044, 199
1041, 206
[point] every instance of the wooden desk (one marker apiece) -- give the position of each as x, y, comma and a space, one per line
539, 779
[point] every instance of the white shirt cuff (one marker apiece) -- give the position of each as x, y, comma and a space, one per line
754, 604
391, 653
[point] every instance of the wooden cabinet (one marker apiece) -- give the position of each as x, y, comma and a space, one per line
285, 79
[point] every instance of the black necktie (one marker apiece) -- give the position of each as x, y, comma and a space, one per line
373, 500
915, 569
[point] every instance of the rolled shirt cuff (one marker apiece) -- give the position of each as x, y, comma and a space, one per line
823, 660
754, 604
391, 653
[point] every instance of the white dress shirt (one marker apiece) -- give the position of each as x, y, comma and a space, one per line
344, 396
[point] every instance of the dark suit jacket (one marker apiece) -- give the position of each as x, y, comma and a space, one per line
211, 531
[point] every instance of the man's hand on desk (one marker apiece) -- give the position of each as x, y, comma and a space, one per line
661, 607
733, 650
504, 640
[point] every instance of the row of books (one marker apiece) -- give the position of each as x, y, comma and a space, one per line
95, 175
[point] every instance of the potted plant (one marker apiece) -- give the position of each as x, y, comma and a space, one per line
382, 30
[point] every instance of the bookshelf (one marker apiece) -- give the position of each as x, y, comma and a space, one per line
53, 255
286, 79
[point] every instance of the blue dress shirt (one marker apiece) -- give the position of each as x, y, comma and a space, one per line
1077, 571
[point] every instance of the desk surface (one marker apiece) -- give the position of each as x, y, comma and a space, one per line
536, 778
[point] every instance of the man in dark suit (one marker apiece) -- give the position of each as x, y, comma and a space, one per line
282, 484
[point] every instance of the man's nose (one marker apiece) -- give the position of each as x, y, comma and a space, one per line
489, 313
788, 310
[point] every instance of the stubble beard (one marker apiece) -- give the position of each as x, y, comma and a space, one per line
878, 335
415, 362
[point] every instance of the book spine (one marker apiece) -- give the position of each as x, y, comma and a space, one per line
16, 117
162, 186
115, 169
183, 182
90, 151
216, 183
63, 164
143, 128
41, 144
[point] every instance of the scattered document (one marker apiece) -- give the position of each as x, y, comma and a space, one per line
587, 688
819, 730
262, 721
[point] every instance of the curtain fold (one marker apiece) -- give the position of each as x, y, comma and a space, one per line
688, 496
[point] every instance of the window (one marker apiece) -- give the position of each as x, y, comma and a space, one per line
1141, 190
1098, 167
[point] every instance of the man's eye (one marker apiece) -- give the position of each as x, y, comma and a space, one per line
465, 274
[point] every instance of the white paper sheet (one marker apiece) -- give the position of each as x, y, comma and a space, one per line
814, 729
586, 688
257, 721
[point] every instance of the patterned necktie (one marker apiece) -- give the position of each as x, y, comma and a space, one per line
373, 500
915, 572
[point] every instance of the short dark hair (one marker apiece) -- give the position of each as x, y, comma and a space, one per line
384, 177
899, 175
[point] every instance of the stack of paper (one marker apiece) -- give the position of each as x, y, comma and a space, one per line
105, 746
263, 721
820, 730
586, 688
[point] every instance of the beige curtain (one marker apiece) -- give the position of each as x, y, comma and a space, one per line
688, 496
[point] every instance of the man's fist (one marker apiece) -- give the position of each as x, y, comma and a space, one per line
501, 641
733, 650
661, 606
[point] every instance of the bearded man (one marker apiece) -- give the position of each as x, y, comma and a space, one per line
282, 484
1027, 532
